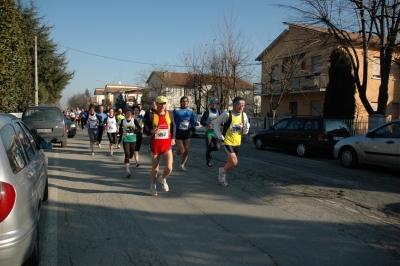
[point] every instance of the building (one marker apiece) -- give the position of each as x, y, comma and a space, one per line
296, 65
198, 88
98, 96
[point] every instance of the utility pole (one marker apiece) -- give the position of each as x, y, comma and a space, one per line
36, 75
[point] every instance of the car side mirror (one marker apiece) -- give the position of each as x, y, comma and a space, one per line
370, 135
46, 145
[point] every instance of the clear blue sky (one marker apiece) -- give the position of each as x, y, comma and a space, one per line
147, 32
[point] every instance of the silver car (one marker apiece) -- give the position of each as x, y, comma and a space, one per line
23, 188
379, 146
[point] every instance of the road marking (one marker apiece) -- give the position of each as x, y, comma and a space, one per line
49, 249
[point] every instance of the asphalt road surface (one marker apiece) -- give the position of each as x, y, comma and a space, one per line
278, 210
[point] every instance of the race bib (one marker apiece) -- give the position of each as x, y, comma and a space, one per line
162, 134
235, 128
184, 125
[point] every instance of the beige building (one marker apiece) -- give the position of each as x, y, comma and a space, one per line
111, 92
303, 82
175, 85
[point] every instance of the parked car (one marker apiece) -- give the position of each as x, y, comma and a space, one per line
47, 123
71, 127
304, 134
379, 146
200, 130
23, 188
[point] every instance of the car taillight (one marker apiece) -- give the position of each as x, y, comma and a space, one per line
7, 200
320, 137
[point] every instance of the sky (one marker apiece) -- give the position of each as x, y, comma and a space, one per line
112, 42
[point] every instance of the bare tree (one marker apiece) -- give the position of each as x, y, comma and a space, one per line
377, 27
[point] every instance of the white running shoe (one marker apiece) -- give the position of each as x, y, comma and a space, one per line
98, 144
163, 183
182, 168
153, 191
222, 176
92, 153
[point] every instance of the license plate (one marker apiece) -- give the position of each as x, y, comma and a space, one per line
337, 138
43, 130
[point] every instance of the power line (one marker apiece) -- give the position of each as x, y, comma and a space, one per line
134, 62
117, 59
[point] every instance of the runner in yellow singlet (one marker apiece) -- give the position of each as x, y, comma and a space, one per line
235, 124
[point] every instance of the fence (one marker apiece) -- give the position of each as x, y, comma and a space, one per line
260, 123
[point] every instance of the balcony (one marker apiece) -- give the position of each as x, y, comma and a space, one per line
298, 85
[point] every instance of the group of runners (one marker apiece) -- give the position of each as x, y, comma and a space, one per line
167, 128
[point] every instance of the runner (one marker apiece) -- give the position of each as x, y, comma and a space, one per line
120, 117
212, 142
93, 122
83, 116
111, 127
184, 121
139, 135
128, 129
236, 124
161, 127
100, 127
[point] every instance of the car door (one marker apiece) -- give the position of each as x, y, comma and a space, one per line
273, 137
292, 133
382, 145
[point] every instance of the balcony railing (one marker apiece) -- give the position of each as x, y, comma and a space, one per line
298, 84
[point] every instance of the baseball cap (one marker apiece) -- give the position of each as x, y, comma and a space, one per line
161, 99
213, 100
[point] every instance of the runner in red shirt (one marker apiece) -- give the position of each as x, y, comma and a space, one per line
161, 127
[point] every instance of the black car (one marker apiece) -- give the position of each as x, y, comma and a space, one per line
303, 135
47, 123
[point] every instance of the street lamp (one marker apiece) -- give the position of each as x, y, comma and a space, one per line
102, 82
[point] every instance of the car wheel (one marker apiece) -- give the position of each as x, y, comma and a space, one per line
260, 145
46, 190
302, 149
34, 258
348, 157
64, 144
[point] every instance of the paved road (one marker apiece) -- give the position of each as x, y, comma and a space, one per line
278, 210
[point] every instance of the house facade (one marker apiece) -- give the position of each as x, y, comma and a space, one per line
296, 65
111, 92
175, 85
98, 96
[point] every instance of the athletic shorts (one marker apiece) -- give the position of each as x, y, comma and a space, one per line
159, 147
182, 134
231, 149
92, 134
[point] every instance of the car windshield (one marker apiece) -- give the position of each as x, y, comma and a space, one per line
42, 115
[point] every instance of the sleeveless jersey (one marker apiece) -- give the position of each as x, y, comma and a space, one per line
92, 121
129, 130
233, 135
161, 142
111, 124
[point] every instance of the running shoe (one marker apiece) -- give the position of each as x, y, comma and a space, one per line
163, 183
222, 174
118, 147
137, 164
153, 191
182, 168
92, 153
224, 184
111, 154
99, 145
128, 175
208, 165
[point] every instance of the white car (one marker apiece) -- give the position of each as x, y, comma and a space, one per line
379, 146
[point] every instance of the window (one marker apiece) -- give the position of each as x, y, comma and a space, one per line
275, 73
316, 64
13, 148
295, 124
388, 131
376, 68
26, 142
